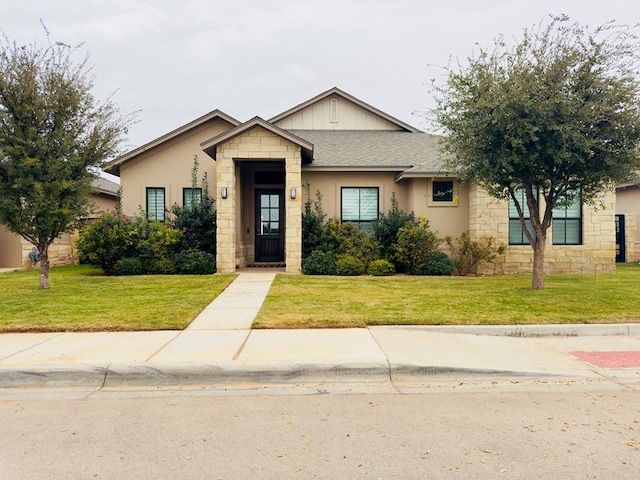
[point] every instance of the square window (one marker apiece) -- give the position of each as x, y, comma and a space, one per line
191, 196
359, 205
442, 191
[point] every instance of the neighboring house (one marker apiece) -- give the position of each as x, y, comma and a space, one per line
628, 221
14, 250
357, 156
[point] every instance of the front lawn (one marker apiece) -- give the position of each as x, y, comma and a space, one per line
82, 299
298, 301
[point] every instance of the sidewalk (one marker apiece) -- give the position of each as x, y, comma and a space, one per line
219, 348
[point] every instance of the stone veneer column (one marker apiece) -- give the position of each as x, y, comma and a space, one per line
226, 208
293, 214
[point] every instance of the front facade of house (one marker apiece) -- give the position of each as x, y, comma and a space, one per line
357, 157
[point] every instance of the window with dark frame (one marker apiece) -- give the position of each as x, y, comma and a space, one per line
359, 205
442, 191
191, 196
567, 224
155, 203
516, 233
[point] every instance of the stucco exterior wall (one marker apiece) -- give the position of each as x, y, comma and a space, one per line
10, 249
488, 216
628, 204
412, 195
102, 202
169, 166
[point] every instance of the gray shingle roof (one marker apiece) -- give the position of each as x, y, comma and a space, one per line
394, 150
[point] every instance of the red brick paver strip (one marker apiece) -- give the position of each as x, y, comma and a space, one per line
610, 359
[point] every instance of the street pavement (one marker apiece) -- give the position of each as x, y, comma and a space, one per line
220, 348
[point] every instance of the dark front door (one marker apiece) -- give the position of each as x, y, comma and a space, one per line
269, 225
620, 240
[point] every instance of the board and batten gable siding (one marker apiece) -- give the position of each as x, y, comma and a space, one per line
335, 113
169, 166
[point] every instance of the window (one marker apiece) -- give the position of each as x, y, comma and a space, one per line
359, 206
567, 224
516, 234
191, 196
155, 203
442, 191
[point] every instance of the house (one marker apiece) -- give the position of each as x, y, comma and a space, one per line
14, 250
357, 156
628, 221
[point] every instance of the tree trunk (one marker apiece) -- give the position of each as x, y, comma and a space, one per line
537, 279
44, 267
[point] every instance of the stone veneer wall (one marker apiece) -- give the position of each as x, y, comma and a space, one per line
632, 245
62, 252
488, 216
256, 144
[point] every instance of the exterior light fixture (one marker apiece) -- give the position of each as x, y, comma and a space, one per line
293, 193
223, 192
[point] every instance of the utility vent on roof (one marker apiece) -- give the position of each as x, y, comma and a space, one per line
334, 110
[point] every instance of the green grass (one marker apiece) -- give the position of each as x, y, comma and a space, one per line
321, 302
82, 299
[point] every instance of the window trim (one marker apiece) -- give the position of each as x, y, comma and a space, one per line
364, 224
164, 201
565, 221
192, 190
524, 240
432, 202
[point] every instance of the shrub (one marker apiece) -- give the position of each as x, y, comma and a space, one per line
313, 219
107, 239
163, 266
129, 266
197, 222
319, 263
350, 266
466, 253
438, 263
415, 243
195, 262
387, 227
381, 267
348, 239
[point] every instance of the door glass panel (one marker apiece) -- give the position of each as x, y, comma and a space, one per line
275, 201
264, 201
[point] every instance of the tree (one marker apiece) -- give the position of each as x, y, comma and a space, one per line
53, 137
556, 114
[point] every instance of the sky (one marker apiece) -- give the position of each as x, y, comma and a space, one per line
172, 61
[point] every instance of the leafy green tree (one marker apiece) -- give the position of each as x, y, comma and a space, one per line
53, 137
556, 112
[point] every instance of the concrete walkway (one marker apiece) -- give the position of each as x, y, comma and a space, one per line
219, 348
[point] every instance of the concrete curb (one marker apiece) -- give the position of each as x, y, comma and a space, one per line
551, 330
176, 375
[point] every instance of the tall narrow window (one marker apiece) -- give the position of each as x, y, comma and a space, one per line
359, 206
191, 196
516, 233
567, 224
155, 203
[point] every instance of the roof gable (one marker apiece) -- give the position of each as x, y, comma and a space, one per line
210, 145
337, 110
113, 166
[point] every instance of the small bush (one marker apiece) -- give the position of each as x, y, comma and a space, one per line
436, 264
380, 268
163, 266
348, 239
195, 262
387, 227
466, 253
129, 266
415, 243
319, 263
350, 266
